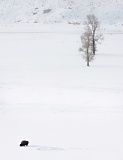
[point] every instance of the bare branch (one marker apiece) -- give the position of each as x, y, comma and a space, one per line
92, 25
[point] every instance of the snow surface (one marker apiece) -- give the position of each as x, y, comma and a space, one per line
33, 11
49, 97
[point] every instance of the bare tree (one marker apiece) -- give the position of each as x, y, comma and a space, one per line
92, 25
87, 46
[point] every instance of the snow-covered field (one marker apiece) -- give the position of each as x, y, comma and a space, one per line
48, 96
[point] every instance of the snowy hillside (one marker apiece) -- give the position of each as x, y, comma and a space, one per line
69, 11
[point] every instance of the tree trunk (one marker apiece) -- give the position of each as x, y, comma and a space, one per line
93, 46
88, 63
87, 59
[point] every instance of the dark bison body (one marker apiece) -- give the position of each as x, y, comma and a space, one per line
24, 143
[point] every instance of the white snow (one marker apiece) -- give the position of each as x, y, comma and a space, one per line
49, 97
26, 11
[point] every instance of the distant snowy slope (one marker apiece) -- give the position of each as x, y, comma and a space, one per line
70, 11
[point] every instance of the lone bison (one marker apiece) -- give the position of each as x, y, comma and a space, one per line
24, 143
